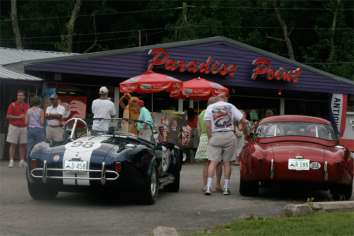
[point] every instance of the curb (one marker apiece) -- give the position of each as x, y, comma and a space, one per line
310, 207
164, 231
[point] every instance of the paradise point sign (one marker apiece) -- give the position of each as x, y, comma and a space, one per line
161, 58
263, 68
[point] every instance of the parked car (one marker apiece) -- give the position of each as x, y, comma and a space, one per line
296, 149
116, 161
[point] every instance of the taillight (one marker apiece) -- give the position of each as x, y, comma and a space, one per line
118, 167
33, 163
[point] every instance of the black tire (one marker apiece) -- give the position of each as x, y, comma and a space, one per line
174, 187
341, 192
41, 192
248, 188
151, 188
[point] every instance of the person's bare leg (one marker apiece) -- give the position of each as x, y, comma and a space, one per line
205, 174
227, 176
22, 152
12, 151
227, 170
218, 177
211, 173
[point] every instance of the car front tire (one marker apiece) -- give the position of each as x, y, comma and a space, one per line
151, 189
174, 187
41, 192
248, 188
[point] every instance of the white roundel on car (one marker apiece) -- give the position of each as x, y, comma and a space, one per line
315, 165
76, 159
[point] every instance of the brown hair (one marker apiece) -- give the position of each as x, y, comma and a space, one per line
35, 101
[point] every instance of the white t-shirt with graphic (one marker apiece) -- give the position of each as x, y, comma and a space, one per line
102, 109
222, 116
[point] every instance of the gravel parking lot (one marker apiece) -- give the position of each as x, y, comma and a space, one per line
81, 214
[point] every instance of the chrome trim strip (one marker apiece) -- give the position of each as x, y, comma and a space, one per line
45, 176
103, 173
272, 169
325, 168
45, 172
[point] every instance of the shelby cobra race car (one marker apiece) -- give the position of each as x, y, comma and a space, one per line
116, 161
299, 150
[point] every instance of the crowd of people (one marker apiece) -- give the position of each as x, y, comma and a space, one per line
221, 127
27, 125
30, 124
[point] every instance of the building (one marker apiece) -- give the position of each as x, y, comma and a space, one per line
12, 78
258, 80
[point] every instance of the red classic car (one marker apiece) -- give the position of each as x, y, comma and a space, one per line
295, 149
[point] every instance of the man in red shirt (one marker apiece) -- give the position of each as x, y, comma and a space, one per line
17, 133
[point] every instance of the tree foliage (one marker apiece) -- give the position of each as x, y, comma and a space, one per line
320, 31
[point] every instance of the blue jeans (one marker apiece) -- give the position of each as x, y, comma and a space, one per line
34, 136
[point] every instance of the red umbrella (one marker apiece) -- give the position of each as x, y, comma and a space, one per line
199, 89
150, 82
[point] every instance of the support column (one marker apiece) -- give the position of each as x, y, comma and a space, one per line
191, 104
180, 105
282, 106
116, 99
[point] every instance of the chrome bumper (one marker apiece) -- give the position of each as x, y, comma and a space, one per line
45, 170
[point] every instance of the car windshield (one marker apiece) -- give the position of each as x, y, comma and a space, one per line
276, 129
120, 126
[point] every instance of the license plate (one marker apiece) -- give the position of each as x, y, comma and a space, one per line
75, 166
298, 164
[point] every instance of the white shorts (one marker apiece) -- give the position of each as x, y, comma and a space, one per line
17, 135
221, 146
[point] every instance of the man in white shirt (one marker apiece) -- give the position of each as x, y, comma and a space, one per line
220, 119
103, 110
54, 114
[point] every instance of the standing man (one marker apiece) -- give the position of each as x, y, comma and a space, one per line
145, 125
221, 118
54, 114
17, 133
202, 153
103, 110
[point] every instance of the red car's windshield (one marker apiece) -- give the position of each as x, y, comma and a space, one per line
278, 129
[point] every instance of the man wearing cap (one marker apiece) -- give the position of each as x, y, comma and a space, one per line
103, 110
54, 114
220, 119
145, 125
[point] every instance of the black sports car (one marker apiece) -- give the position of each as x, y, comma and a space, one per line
116, 161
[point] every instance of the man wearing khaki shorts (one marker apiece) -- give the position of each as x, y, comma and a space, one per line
54, 115
17, 133
220, 119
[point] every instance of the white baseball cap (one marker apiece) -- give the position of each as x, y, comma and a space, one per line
103, 90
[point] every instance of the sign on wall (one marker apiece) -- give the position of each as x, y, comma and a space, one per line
264, 70
161, 58
339, 110
75, 106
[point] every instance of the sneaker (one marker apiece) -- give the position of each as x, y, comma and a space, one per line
22, 163
204, 189
11, 163
227, 191
207, 191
